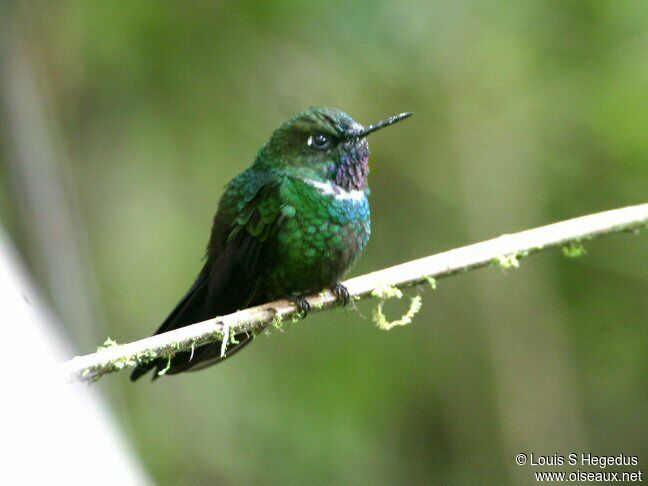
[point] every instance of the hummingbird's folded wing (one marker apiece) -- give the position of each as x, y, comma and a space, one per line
229, 280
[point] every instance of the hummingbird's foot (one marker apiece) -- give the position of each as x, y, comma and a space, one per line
302, 304
341, 293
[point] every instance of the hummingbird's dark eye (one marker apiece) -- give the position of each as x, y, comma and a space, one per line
320, 142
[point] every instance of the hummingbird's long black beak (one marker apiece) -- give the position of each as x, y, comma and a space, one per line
382, 124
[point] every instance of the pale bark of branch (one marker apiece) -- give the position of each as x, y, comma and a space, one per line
505, 250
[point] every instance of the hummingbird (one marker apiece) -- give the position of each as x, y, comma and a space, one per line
291, 224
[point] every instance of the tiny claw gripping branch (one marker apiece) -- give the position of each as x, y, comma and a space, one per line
302, 304
341, 293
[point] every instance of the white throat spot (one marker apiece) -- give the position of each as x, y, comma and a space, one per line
330, 189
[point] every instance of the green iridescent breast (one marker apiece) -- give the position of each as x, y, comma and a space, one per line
321, 235
301, 235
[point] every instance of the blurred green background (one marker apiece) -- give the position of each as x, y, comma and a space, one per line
122, 121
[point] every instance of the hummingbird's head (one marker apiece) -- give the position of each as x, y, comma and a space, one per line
326, 144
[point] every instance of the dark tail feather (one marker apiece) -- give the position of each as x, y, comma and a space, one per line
204, 356
220, 289
182, 312
141, 370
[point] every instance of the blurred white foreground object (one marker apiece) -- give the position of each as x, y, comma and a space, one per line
52, 432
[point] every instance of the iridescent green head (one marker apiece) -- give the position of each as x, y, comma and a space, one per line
326, 144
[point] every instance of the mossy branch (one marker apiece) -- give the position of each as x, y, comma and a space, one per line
504, 251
